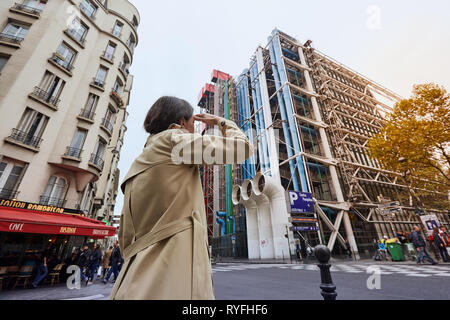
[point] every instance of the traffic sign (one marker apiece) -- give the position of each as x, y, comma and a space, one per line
299, 202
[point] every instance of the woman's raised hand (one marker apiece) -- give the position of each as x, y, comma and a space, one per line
209, 119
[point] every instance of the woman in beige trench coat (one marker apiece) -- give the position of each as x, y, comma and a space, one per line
162, 233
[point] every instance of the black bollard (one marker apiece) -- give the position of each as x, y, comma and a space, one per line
323, 254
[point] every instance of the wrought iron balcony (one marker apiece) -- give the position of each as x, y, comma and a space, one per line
85, 10
107, 124
8, 194
116, 33
6, 37
77, 35
73, 152
97, 160
27, 9
98, 83
124, 68
66, 65
45, 96
108, 55
25, 138
48, 201
87, 114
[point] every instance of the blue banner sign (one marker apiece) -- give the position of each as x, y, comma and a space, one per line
300, 202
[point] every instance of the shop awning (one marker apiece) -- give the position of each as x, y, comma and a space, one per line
28, 221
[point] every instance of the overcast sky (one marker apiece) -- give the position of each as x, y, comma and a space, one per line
395, 43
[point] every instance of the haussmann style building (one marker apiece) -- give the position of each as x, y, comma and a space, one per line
64, 90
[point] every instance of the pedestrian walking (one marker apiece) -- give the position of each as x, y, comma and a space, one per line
94, 263
115, 261
106, 262
163, 224
419, 243
83, 263
441, 244
42, 268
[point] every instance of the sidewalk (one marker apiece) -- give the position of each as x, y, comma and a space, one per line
311, 261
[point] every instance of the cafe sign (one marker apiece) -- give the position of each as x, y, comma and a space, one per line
35, 207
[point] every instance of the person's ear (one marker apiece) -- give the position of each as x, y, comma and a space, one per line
182, 122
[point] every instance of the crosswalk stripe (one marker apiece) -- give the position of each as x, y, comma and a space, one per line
97, 296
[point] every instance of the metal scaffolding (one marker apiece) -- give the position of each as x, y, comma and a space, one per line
323, 114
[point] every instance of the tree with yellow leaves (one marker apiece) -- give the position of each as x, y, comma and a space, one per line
415, 140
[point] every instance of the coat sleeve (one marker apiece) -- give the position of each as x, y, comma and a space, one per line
232, 147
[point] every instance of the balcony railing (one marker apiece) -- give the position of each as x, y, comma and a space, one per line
8, 194
107, 124
25, 138
45, 96
118, 34
6, 37
97, 160
124, 68
86, 11
48, 201
98, 83
73, 152
108, 55
77, 35
87, 114
27, 9
66, 65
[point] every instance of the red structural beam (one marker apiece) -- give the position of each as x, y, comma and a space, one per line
219, 75
204, 93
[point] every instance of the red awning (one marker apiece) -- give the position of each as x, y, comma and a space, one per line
28, 221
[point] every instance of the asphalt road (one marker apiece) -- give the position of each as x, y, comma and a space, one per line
288, 282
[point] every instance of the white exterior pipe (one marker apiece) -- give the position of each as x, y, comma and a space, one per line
272, 189
266, 243
251, 219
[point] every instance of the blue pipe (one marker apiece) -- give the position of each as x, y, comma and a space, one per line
261, 127
286, 131
252, 162
234, 223
243, 111
290, 54
276, 46
220, 218
257, 123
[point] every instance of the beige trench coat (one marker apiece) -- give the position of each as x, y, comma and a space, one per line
162, 230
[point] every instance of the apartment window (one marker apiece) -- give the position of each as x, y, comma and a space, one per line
54, 193
101, 76
118, 87
135, 22
10, 173
14, 32
65, 56
78, 30
97, 156
109, 52
91, 105
124, 64
109, 119
50, 88
131, 42
31, 6
117, 30
30, 128
3, 61
77, 143
88, 8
